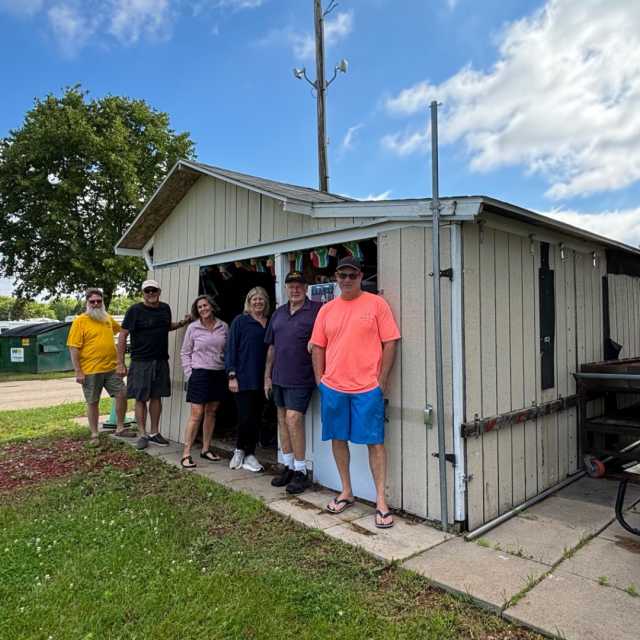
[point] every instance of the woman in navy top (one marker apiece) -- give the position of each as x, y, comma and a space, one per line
245, 358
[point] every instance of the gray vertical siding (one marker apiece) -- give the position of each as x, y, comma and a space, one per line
404, 265
502, 367
624, 321
215, 216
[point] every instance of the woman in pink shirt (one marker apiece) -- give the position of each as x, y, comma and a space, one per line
202, 356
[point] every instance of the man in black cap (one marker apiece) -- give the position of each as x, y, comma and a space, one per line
289, 377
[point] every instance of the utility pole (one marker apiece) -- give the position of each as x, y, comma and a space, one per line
321, 85
321, 88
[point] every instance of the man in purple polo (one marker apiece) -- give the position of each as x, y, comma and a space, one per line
289, 377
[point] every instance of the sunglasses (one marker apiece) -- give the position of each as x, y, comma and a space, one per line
351, 275
151, 290
95, 301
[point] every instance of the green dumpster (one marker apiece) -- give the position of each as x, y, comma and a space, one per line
35, 348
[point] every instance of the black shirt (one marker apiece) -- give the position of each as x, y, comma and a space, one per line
149, 328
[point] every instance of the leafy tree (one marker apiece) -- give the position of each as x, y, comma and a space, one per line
71, 179
119, 304
21, 309
66, 306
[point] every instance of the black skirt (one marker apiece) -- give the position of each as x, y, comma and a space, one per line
207, 385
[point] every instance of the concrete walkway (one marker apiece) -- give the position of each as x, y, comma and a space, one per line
564, 567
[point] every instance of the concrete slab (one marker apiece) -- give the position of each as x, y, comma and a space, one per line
322, 497
612, 563
259, 486
542, 540
597, 491
403, 540
220, 472
577, 608
308, 509
616, 533
489, 577
588, 518
174, 449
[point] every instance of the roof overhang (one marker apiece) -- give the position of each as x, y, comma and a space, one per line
138, 236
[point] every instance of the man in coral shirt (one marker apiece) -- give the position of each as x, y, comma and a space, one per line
354, 345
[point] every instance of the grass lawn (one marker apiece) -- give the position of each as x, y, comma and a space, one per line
109, 543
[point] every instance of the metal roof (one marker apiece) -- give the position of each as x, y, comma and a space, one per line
272, 187
185, 173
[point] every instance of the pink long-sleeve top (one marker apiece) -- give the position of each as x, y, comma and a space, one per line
203, 348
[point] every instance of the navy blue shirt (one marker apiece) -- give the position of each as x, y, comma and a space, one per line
246, 352
289, 335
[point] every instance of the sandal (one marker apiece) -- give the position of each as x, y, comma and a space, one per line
382, 516
188, 463
210, 456
338, 506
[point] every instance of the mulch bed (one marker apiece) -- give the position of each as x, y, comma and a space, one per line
27, 463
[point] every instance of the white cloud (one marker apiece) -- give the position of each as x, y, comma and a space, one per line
303, 43
75, 22
404, 144
132, 19
70, 27
622, 225
561, 99
380, 196
348, 140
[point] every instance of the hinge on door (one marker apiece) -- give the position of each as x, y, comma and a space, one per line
444, 273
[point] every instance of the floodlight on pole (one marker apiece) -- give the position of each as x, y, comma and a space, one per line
321, 85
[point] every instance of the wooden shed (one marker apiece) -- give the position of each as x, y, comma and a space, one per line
525, 300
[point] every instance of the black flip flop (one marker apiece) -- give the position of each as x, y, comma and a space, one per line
335, 502
191, 464
210, 456
383, 516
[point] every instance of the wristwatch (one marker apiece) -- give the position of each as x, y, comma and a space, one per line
231, 375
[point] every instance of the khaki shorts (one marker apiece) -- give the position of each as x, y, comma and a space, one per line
94, 383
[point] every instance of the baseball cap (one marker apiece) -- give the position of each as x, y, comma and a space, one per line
150, 283
295, 276
351, 262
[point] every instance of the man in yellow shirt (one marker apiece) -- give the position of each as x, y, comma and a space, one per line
93, 353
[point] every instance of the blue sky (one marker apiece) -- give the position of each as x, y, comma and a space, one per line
539, 98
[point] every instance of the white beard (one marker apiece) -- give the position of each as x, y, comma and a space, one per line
98, 313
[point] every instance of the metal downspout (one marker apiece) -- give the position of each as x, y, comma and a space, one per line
435, 234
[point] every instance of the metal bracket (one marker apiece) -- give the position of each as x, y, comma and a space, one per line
428, 415
449, 457
444, 273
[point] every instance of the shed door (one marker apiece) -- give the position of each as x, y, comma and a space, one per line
404, 264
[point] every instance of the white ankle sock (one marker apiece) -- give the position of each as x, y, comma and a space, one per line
288, 459
300, 465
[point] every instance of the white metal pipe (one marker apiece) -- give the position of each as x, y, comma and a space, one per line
460, 486
472, 535
437, 316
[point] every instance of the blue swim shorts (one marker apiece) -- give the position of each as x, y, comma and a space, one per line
357, 417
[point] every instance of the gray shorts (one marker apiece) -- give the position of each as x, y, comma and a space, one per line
94, 383
148, 379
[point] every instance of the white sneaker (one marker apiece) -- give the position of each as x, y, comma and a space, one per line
251, 464
237, 460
